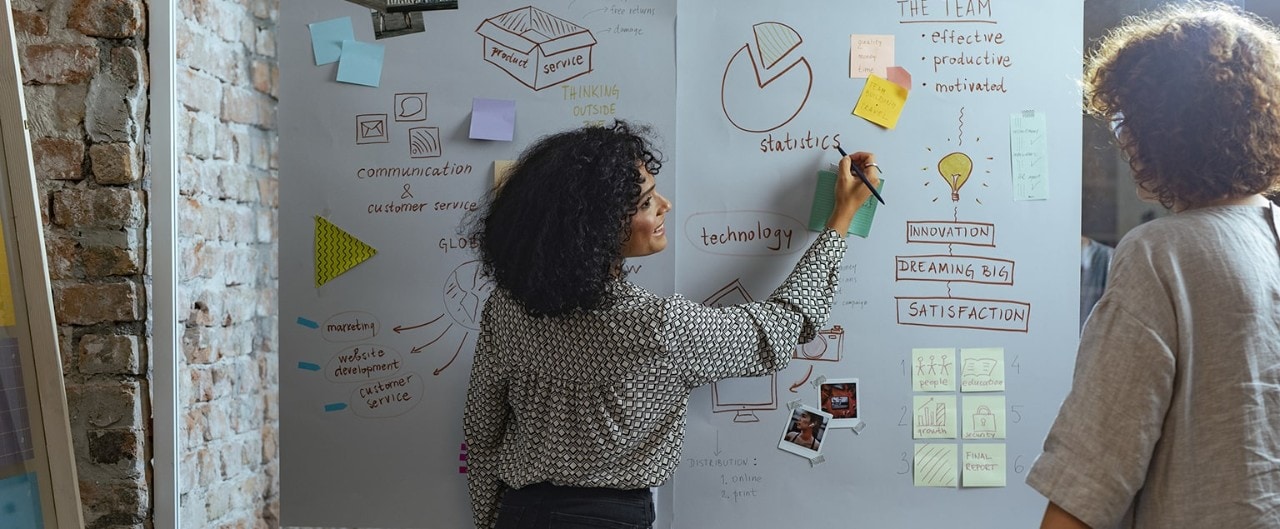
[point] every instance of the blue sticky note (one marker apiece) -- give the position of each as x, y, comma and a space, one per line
493, 119
20, 502
361, 63
327, 37
824, 202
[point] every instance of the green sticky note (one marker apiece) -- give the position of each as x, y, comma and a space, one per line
824, 202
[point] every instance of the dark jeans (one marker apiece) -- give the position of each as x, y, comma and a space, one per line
547, 506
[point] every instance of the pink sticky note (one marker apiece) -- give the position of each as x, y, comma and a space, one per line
899, 76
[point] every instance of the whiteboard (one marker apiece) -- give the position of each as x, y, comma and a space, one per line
749, 107
376, 440
975, 285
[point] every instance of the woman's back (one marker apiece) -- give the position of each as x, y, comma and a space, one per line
1181, 369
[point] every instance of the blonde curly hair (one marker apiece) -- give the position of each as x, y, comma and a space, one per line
1193, 92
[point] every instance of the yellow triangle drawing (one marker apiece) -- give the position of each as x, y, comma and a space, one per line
337, 251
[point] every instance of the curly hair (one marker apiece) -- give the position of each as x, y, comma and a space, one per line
1193, 91
552, 233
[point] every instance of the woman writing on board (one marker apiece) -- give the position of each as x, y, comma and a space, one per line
581, 379
1173, 419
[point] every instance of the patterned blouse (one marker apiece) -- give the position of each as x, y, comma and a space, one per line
598, 399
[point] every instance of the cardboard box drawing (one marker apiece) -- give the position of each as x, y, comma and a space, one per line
536, 47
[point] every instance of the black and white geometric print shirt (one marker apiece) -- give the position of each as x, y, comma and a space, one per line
598, 398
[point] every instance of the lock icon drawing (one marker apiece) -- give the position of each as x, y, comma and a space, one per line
984, 420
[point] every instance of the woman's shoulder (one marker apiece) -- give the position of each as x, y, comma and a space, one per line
1192, 229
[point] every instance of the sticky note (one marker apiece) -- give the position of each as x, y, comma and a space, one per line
984, 465
8, 311
824, 202
899, 76
870, 55
20, 501
982, 369
327, 37
361, 63
933, 369
935, 465
881, 102
1029, 154
984, 417
933, 417
493, 119
501, 168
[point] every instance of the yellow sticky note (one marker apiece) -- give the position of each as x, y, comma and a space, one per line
934, 465
982, 369
933, 369
984, 465
337, 251
8, 314
881, 102
934, 417
500, 170
983, 417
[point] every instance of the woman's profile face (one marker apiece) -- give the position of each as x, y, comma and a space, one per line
648, 226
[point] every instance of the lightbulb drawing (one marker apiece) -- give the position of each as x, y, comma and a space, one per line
955, 169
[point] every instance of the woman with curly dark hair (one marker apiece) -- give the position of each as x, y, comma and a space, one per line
1173, 419
581, 379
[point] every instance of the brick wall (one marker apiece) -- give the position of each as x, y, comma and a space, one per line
84, 69
226, 85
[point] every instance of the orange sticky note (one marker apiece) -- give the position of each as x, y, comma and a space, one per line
501, 168
881, 102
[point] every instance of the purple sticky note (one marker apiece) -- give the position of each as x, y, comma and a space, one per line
493, 119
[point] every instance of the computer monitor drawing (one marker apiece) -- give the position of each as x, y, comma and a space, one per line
747, 395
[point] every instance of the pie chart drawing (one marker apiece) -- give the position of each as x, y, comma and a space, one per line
767, 83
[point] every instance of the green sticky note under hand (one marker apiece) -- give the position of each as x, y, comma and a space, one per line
824, 202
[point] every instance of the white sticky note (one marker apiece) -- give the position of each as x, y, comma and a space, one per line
870, 55
1029, 154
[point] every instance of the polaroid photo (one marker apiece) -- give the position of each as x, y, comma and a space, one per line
839, 397
804, 432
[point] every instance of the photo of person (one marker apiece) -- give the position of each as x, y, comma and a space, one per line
805, 428
839, 397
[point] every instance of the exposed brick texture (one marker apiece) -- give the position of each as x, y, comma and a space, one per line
227, 270
58, 63
84, 69
115, 163
107, 18
58, 158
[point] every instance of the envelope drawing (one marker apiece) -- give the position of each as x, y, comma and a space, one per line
371, 128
